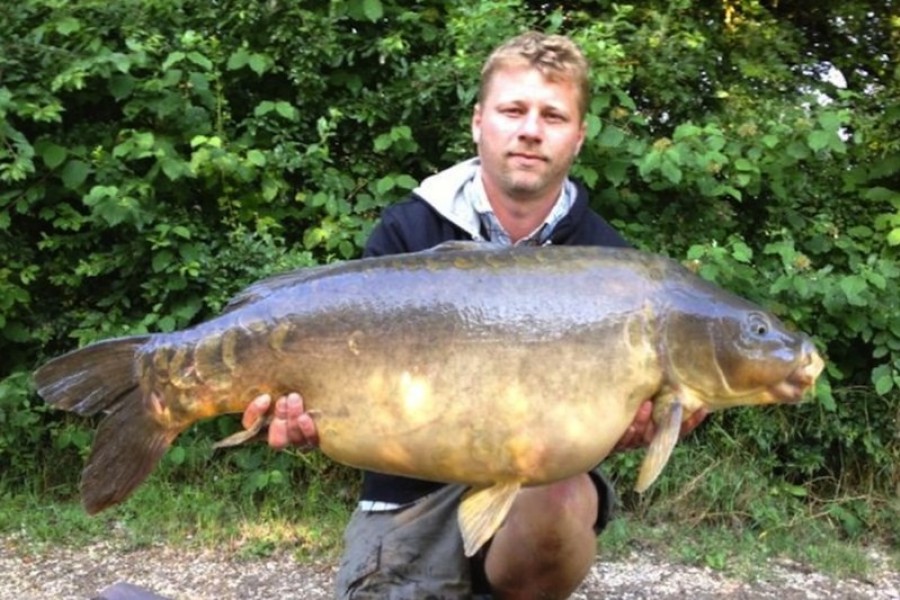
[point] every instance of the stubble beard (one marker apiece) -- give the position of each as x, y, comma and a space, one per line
532, 185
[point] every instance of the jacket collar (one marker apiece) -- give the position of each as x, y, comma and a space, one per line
443, 192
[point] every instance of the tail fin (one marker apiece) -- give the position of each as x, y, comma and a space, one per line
128, 444
91, 379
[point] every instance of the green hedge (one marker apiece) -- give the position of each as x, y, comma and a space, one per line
158, 155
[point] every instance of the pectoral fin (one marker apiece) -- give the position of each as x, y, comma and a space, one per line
482, 511
668, 430
246, 435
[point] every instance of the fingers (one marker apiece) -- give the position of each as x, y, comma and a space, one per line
693, 421
292, 425
641, 430
255, 411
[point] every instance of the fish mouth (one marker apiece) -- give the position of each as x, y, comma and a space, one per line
800, 381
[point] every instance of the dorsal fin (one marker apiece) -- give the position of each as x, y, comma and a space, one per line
265, 287
463, 245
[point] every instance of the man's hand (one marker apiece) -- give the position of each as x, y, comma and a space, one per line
291, 425
642, 429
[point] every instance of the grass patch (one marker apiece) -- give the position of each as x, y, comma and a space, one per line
727, 512
716, 510
218, 512
308, 522
744, 554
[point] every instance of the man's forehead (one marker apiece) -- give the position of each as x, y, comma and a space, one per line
528, 84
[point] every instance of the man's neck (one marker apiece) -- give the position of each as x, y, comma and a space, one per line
521, 219
520, 216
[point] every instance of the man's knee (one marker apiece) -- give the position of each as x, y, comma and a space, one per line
548, 542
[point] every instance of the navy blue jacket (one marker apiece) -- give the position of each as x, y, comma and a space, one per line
413, 225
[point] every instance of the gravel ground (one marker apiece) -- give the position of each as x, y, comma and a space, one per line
81, 573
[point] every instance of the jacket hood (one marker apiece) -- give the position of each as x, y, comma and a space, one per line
441, 192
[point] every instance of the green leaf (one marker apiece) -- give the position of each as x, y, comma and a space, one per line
286, 110
199, 81
825, 396
176, 455
798, 151
384, 185
166, 324
742, 164
173, 59
853, 286
883, 379
769, 141
615, 171
383, 142
893, 238
120, 85
259, 63
373, 9
685, 131
406, 182
611, 137
200, 60
75, 173
53, 154
671, 171
257, 158
263, 108
161, 261
830, 121
68, 25
238, 59
174, 168
818, 140
649, 163
594, 125
715, 143
742, 252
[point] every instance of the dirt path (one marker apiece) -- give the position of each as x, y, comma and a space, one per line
81, 573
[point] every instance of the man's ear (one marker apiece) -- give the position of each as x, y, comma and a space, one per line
476, 124
581, 139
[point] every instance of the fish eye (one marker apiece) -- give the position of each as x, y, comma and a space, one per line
759, 326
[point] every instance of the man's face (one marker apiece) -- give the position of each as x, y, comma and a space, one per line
528, 131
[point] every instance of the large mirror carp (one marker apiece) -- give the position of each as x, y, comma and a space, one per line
487, 366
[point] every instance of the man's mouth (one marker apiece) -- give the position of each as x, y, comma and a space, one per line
527, 157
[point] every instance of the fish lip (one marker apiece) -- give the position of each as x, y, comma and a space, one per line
795, 386
787, 392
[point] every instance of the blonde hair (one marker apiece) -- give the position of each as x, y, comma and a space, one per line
555, 56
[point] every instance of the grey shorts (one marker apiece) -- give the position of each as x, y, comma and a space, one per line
416, 551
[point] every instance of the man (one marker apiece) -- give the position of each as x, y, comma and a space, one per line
403, 541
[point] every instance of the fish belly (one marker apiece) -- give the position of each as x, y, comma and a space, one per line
473, 411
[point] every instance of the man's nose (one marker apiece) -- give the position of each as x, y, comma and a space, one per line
531, 126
